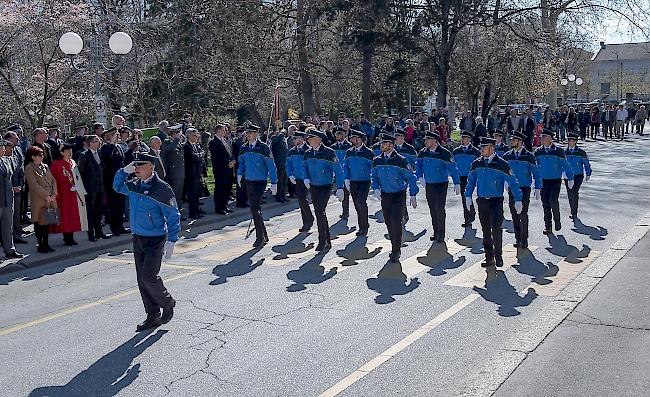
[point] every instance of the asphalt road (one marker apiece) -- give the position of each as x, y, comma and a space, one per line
285, 321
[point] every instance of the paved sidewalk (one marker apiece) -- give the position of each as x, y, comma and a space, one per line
603, 347
209, 222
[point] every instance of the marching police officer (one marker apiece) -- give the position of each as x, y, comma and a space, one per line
552, 164
155, 224
296, 173
255, 166
320, 167
391, 173
524, 166
357, 166
464, 155
340, 147
579, 162
500, 147
434, 166
488, 175
411, 155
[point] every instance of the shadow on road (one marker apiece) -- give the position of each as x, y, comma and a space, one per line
236, 267
498, 290
390, 282
439, 260
108, 375
311, 272
357, 251
470, 240
294, 246
528, 264
571, 254
597, 233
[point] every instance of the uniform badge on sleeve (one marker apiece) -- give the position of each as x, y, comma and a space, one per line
172, 202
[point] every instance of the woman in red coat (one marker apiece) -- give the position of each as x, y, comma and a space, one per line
70, 196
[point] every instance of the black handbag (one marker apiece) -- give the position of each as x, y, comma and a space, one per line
50, 216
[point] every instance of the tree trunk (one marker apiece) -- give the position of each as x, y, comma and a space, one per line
443, 83
306, 86
367, 53
486, 103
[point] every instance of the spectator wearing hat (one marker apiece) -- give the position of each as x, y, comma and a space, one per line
391, 174
42, 194
92, 176
579, 162
54, 141
464, 155
524, 167
18, 182
321, 167
500, 147
552, 164
194, 165
341, 146
357, 174
223, 163
155, 224
7, 170
296, 173
112, 157
255, 167
78, 141
70, 196
488, 175
435, 164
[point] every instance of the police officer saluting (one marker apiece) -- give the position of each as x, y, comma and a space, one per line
488, 175
579, 162
341, 147
464, 155
155, 224
434, 166
255, 166
357, 166
391, 173
296, 173
320, 167
552, 164
524, 166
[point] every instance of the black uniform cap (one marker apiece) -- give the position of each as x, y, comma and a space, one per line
357, 133
573, 136
432, 135
140, 158
518, 135
485, 141
387, 138
498, 132
465, 133
548, 132
253, 128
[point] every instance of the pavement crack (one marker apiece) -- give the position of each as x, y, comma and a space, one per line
600, 323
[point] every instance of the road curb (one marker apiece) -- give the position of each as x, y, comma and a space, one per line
104, 245
496, 370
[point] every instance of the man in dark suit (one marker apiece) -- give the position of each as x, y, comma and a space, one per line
280, 151
174, 160
528, 128
77, 141
194, 164
54, 141
112, 158
480, 131
223, 164
92, 175
155, 144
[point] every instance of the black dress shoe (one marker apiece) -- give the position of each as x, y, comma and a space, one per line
105, 236
516, 245
168, 313
433, 238
344, 216
14, 255
558, 226
466, 224
499, 262
92, 239
323, 246
488, 263
362, 232
547, 231
150, 322
221, 212
19, 241
394, 257
115, 233
124, 230
259, 243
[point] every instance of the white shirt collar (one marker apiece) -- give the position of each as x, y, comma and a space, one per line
149, 179
389, 154
489, 159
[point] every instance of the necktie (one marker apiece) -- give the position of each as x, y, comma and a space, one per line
516, 155
96, 156
547, 150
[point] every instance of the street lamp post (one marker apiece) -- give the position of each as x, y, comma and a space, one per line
119, 43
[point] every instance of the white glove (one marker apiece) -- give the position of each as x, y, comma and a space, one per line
537, 193
505, 185
587, 178
519, 206
274, 189
130, 168
347, 184
339, 194
239, 177
423, 182
377, 193
414, 202
292, 179
570, 184
307, 183
457, 189
169, 249
468, 202
73, 189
